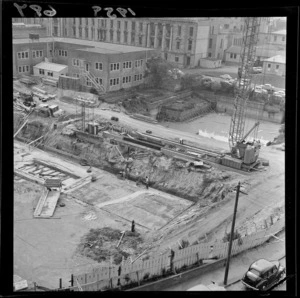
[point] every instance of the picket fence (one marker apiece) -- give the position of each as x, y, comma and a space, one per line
112, 277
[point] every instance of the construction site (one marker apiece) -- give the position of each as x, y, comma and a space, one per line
99, 183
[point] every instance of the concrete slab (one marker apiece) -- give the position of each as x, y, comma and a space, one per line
152, 210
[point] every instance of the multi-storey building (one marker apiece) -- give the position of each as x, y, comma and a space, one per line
183, 41
108, 65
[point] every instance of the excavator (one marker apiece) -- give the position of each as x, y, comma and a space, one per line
248, 152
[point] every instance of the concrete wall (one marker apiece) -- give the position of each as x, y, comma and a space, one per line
205, 63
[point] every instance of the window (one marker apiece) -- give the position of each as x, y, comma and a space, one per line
125, 37
138, 63
133, 26
119, 24
23, 55
234, 56
138, 77
111, 23
212, 30
132, 38
210, 43
114, 66
140, 40
99, 66
50, 73
80, 32
269, 66
118, 36
37, 54
283, 38
275, 38
76, 75
277, 67
41, 71
93, 22
179, 30
190, 45
141, 26
99, 81
126, 79
88, 82
231, 55
86, 32
75, 62
111, 35
221, 44
209, 54
125, 25
226, 26
62, 53
24, 68
127, 65
176, 59
177, 45
114, 82
191, 31
74, 31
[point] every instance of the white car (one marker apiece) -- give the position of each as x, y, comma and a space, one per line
268, 87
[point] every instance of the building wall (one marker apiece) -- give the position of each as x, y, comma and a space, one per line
30, 61
56, 74
201, 44
23, 32
232, 57
274, 68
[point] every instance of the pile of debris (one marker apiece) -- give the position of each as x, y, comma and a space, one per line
103, 244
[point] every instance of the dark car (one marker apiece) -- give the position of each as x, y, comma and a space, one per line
148, 131
114, 118
262, 275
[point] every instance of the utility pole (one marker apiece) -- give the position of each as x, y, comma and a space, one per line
232, 233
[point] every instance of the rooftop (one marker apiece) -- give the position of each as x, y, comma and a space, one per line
98, 47
234, 49
51, 66
282, 32
276, 59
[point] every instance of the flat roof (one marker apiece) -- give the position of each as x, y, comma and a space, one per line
51, 66
276, 59
99, 47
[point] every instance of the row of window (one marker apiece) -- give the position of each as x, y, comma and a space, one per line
114, 81
49, 73
276, 67
24, 68
63, 53
39, 54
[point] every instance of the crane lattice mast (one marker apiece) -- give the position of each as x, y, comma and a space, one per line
250, 38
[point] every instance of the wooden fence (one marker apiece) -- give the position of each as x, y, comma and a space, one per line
112, 277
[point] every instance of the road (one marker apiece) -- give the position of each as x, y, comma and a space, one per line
274, 250
143, 126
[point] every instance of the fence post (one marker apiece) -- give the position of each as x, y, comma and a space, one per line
171, 260
138, 278
60, 283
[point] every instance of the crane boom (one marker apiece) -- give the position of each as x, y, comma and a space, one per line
250, 37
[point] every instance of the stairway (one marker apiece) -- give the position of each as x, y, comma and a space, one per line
92, 78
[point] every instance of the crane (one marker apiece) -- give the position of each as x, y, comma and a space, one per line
237, 124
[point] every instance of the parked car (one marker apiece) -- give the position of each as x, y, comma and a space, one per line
148, 131
226, 77
262, 275
257, 69
268, 87
114, 118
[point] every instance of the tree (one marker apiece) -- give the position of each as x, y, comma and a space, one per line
157, 71
188, 81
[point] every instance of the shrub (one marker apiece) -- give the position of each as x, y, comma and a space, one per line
236, 235
146, 276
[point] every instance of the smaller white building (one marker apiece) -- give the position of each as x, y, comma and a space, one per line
50, 70
210, 63
274, 65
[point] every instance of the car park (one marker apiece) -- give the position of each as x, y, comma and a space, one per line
263, 274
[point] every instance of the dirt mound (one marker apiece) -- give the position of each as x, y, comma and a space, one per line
101, 244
